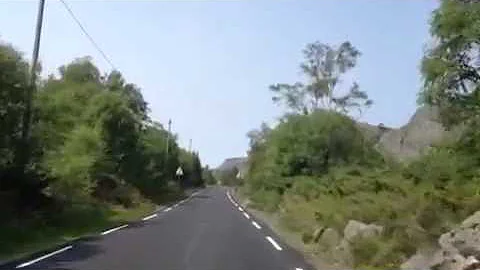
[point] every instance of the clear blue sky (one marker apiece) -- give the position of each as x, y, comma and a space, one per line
207, 64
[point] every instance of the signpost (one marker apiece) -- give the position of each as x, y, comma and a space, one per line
179, 173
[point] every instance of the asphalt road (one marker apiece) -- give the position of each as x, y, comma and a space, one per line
208, 231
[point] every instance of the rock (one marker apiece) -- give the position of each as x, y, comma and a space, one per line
455, 262
317, 233
459, 249
356, 228
472, 221
465, 241
343, 254
330, 238
411, 140
436, 260
423, 260
471, 263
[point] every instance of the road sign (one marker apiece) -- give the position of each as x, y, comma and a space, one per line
179, 171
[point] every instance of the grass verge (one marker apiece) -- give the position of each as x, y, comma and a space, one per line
23, 237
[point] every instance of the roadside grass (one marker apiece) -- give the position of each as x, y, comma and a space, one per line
413, 213
23, 237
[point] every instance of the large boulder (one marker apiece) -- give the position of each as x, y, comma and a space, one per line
423, 130
472, 221
356, 228
459, 249
342, 254
465, 239
424, 259
440, 260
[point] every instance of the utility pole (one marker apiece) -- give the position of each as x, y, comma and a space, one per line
27, 117
168, 139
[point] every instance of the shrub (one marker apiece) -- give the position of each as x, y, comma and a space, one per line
72, 165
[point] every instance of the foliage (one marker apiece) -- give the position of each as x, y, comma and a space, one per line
14, 72
228, 177
93, 146
307, 145
323, 67
317, 170
451, 66
72, 165
207, 176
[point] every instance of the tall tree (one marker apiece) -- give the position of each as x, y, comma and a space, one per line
451, 65
323, 67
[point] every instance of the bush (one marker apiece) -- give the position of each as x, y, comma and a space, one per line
266, 200
72, 165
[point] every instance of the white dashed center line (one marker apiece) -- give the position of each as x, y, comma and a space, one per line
43, 257
296, 268
114, 229
256, 225
246, 215
149, 217
241, 209
277, 246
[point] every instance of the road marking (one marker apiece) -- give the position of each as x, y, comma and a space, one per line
149, 217
256, 225
43, 257
277, 246
235, 204
114, 229
182, 201
241, 209
168, 209
175, 205
296, 268
246, 215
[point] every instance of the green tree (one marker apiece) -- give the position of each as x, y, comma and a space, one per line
451, 65
208, 177
13, 85
323, 67
197, 176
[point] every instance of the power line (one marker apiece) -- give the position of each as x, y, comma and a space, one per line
67, 7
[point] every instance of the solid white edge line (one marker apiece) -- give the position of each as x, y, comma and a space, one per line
114, 229
43, 257
296, 268
149, 217
175, 205
234, 204
168, 209
240, 208
277, 246
256, 225
246, 215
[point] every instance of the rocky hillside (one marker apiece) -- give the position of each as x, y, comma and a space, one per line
229, 164
409, 141
457, 249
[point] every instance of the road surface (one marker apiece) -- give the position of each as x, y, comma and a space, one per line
208, 231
